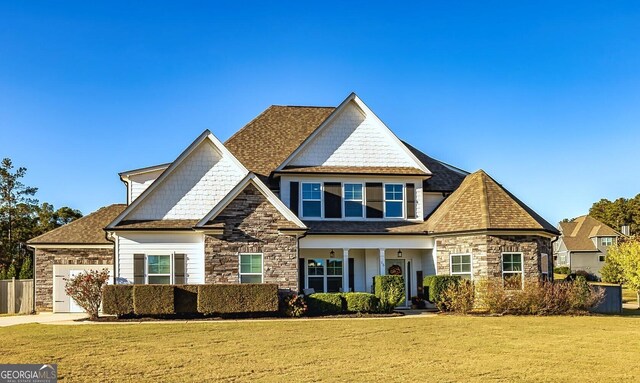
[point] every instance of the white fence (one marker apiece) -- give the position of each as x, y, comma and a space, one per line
16, 296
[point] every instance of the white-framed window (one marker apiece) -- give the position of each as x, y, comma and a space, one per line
353, 200
602, 258
324, 275
393, 200
461, 265
159, 268
512, 274
251, 268
606, 241
312, 200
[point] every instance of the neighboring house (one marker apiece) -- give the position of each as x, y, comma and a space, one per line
304, 197
583, 244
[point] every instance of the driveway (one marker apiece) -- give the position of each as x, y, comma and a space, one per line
39, 318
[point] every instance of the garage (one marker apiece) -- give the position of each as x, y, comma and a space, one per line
62, 303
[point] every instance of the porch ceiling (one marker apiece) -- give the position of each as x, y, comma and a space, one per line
355, 241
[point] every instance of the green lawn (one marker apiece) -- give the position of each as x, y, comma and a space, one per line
439, 348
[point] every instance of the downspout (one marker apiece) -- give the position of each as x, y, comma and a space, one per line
33, 309
106, 236
298, 238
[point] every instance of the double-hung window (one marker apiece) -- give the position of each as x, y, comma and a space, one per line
393, 197
250, 268
353, 200
607, 241
311, 200
324, 275
512, 270
461, 265
159, 269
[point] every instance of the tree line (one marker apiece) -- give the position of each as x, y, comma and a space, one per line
618, 213
23, 217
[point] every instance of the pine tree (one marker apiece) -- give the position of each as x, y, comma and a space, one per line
12, 272
26, 270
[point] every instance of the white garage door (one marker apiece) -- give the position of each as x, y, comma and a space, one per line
62, 303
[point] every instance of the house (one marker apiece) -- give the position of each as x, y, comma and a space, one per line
304, 197
583, 244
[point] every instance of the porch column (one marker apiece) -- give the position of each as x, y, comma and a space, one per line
345, 270
383, 267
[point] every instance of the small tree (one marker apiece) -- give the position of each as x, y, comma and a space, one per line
26, 270
612, 271
627, 255
11, 272
86, 290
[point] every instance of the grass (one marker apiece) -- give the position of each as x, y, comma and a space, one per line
439, 348
629, 296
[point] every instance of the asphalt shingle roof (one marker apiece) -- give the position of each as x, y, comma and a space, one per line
444, 179
577, 233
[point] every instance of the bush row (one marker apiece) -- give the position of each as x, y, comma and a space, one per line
435, 285
160, 300
340, 303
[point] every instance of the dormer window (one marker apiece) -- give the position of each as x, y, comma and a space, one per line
393, 197
311, 200
353, 200
606, 241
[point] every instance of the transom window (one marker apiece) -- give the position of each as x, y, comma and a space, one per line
250, 268
311, 200
606, 241
353, 200
512, 270
393, 197
461, 265
159, 269
324, 275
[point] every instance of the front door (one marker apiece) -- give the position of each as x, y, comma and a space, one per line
397, 266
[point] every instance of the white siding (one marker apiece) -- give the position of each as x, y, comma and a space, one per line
431, 201
140, 182
194, 187
191, 244
353, 139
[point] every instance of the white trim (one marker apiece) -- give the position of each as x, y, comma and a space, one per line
321, 200
521, 272
402, 201
470, 273
367, 112
240, 273
206, 135
171, 274
148, 169
62, 246
362, 201
272, 198
325, 274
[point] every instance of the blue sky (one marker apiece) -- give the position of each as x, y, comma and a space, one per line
545, 97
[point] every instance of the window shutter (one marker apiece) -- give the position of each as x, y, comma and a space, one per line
301, 275
351, 275
178, 268
374, 200
332, 200
411, 200
294, 197
138, 269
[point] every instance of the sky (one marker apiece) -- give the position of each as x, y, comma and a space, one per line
543, 96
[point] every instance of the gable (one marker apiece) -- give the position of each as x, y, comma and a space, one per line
354, 136
195, 185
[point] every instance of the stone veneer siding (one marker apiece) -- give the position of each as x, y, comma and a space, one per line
46, 258
486, 253
251, 226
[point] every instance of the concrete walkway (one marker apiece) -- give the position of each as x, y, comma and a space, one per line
40, 318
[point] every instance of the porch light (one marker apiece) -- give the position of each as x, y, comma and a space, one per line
399, 253
332, 254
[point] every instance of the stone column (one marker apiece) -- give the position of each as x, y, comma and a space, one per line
383, 267
345, 270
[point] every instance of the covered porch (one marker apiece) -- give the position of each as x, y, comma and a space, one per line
341, 263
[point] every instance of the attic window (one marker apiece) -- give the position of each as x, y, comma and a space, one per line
606, 241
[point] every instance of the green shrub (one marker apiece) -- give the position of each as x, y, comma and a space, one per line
153, 299
325, 303
562, 270
457, 297
117, 300
389, 289
360, 302
238, 299
185, 298
437, 284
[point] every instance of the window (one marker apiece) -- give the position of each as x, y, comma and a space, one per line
393, 200
606, 241
602, 258
512, 270
324, 275
159, 269
461, 265
353, 200
250, 268
311, 200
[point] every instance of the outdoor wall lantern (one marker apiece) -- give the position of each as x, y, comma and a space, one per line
399, 253
332, 254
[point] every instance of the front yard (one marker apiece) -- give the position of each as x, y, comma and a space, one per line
439, 348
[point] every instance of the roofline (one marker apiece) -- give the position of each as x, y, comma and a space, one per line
490, 231
117, 229
310, 232
71, 245
146, 169
423, 175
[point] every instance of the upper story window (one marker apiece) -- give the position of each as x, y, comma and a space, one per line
393, 197
311, 200
353, 200
606, 241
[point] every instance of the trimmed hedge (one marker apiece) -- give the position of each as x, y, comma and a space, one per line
117, 300
360, 302
153, 299
389, 289
439, 283
237, 299
325, 303
185, 298
562, 270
